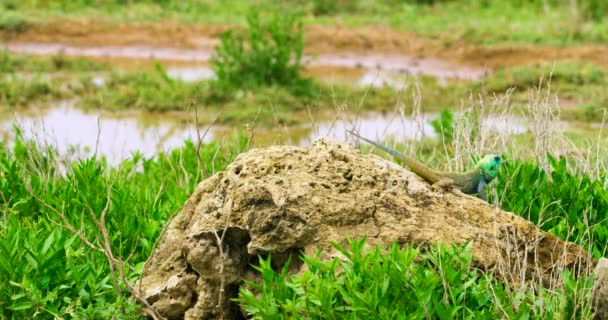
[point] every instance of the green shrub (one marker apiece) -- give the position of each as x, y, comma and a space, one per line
570, 206
401, 284
267, 53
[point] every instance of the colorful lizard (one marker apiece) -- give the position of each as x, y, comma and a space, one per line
471, 182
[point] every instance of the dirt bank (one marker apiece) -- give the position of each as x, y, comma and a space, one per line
319, 39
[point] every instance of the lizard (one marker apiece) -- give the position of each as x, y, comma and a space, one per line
473, 181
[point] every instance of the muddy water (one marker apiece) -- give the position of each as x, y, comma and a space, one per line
378, 69
77, 133
133, 52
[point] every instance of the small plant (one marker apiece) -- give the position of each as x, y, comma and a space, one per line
267, 53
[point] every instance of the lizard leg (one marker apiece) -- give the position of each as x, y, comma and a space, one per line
448, 185
459, 193
481, 190
443, 184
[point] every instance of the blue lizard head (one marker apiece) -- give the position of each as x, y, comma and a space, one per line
489, 165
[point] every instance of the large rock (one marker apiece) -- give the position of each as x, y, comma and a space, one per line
599, 295
290, 200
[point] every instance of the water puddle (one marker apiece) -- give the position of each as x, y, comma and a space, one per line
378, 69
398, 64
131, 52
117, 136
190, 74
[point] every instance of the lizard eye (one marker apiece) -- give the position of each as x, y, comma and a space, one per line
497, 158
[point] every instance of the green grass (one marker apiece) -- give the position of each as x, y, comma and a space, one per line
17, 91
19, 63
480, 22
568, 75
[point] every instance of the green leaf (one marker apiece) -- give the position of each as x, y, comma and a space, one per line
24, 305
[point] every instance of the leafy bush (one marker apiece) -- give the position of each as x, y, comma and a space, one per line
401, 284
570, 206
267, 53
45, 270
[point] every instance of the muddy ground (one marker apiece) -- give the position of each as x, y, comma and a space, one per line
319, 39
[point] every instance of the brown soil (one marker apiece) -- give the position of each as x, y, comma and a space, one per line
289, 200
319, 39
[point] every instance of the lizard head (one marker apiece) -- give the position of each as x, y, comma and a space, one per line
489, 166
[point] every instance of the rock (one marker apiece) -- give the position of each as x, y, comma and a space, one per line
285, 199
599, 295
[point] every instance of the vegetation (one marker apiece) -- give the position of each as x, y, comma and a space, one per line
12, 21
395, 283
567, 74
50, 272
580, 85
269, 54
65, 272
569, 205
13, 63
549, 22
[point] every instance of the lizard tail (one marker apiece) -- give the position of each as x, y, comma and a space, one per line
417, 167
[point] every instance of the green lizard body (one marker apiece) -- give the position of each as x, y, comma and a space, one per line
469, 182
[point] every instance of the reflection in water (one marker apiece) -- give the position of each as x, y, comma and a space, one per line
117, 136
190, 74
